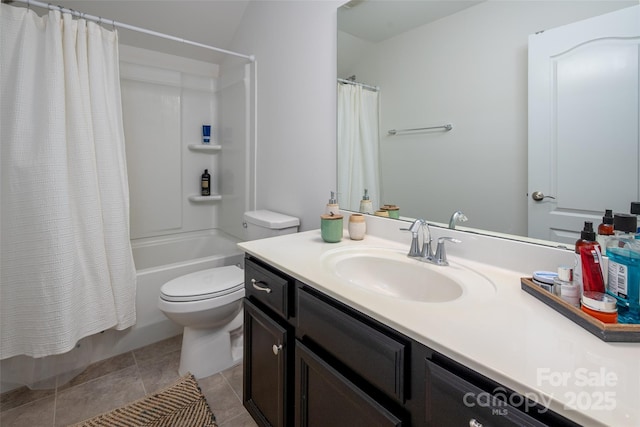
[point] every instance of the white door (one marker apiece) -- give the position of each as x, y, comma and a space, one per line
584, 111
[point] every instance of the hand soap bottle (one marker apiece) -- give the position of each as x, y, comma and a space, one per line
332, 206
365, 204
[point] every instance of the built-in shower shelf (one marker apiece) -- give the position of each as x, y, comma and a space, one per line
203, 199
205, 147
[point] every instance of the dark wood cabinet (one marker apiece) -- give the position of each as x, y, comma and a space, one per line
266, 354
324, 397
312, 361
268, 345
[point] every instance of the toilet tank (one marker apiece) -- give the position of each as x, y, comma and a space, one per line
264, 223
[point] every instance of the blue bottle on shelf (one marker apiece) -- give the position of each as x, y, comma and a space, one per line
623, 251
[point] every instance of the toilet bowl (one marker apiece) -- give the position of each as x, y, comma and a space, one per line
208, 303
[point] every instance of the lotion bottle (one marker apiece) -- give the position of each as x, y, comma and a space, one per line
365, 204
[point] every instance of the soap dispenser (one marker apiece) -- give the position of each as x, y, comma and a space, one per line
332, 206
365, 204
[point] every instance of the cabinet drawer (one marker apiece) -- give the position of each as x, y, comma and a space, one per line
451, 400
267, 287
352, 342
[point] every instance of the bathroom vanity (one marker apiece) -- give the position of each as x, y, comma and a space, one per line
320, 351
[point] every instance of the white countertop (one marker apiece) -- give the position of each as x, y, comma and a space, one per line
510, 337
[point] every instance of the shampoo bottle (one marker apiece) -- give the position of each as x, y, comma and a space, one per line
365, 204
588, 273
623, 251
205, 183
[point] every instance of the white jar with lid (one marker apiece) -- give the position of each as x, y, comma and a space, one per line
565, 287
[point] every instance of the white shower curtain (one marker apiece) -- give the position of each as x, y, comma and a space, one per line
67, 270
358, 138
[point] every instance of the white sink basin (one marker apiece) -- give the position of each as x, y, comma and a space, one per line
391, 273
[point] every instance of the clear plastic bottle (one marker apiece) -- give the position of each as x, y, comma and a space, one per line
623, 251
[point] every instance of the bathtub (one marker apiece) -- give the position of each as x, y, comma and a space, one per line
158, 260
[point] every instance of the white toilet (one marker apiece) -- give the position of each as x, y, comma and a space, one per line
208, 303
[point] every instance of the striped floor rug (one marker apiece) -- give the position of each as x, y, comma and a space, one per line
180, 405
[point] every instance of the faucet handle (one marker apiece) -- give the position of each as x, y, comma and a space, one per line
414, 251
427, 250
441, 254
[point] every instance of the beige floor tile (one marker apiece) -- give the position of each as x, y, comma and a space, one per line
100, 369
153, 352
97, 396
242, 420
38, 413
234, 378
221, 398
21, 396
161, 373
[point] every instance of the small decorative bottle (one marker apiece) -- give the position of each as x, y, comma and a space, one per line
205, 183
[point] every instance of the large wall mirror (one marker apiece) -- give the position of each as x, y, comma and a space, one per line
428, 64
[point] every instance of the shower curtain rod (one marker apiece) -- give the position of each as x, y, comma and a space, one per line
351, 82
100, 20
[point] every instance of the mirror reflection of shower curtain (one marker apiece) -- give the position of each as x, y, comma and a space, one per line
358, 146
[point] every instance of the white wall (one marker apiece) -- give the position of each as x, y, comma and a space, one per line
295, 46
469, 69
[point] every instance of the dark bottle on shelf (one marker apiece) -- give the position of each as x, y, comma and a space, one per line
205, 183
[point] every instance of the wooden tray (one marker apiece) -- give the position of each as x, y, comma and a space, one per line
610, 332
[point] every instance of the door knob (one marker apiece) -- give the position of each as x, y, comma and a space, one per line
276, 349
539, 195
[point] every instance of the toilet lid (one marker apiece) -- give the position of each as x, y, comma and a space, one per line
204, 284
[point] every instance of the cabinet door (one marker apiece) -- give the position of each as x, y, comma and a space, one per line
325, 398
265, 363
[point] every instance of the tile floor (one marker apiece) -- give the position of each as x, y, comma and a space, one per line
114, 382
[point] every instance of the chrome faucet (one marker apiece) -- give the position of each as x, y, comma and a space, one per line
425, 254
457, 216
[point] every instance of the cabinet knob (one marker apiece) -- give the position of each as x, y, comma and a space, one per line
255, 282
474, 423
276, 349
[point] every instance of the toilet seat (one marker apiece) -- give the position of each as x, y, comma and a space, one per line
203, 284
